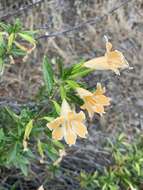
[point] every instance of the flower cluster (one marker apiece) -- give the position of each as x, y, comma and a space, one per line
71, 124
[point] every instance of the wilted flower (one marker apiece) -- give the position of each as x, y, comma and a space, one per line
68, 125
25, 145
94, 102
112, 60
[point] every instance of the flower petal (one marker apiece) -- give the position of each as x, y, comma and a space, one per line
99, 89
103, 100
80, 129
99, 63
83, 92
89, 109
76, 116
70, 136
58, 133
99, 109
65, 108
55, 123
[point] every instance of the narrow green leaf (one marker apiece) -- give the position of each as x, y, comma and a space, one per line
62, 92
48, 74
72, 84
121, 137
71, 70
81, 73
28, 129
30, 32
76, 70
17, 27
12, 154
12, 114
1, 66
57, 107
2, 136
75, 99
58, 144
24, 169
16, 52
10, 41
27, 37
40, 148
4, 26
47, 118
67, 73
137, 168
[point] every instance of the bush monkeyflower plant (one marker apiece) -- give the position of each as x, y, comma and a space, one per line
64, 93
93, 102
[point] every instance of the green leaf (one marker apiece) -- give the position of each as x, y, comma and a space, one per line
129, 183
71, 70
30, 32
16, 52
10, 41
62, 92
57, 107
78, 65
1, 66
24, 168
83, 72
17, 27
47, 118
67, 73
12, 154
72, 84
137, 168
27, 37
28, 129
2, 136
48, 74
121, 137
12, 114
40, 148
58, 144
75, 99
75, 71
4, 26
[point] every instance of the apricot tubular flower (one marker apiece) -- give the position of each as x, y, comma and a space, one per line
94, 102
68, 125
112, 60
